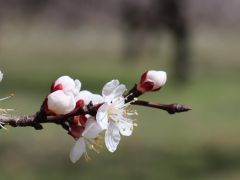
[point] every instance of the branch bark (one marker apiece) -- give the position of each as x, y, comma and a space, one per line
170, 108
40, 117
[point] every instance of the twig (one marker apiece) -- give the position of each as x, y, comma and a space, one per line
170, 108
133, 93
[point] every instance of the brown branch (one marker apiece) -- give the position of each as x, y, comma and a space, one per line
40, 117
17, 121
170, 108
133, 93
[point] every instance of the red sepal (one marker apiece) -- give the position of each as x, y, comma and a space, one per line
56, 87
143, 77
75, 131
147, 86
77, 126
80, 103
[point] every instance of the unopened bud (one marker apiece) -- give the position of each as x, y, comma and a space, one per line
60, 103
152, 81
67, 84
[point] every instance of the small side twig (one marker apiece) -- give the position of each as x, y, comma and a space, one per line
132, 94
170, 108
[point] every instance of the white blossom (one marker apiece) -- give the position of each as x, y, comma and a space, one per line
89, 139
114, 115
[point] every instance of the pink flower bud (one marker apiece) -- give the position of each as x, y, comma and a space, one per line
60, 103
67, 84
152, 81
85, 97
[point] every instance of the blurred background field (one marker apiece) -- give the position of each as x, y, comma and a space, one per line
201, 144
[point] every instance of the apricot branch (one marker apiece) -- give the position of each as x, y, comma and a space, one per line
85, 116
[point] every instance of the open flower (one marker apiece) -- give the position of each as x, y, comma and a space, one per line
85, 129
67, 84
152, 81
89, 138
60, 103
114, 115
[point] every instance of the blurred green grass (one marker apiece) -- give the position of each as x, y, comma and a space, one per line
201, 144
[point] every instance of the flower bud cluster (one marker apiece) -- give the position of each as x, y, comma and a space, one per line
113, 116
61, 100
65, 97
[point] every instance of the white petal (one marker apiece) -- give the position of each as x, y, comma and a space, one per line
1, 76
67, 83
85, 96
77, 85
159, 78
118, 102
102, 116
92, 128
112, 90
109, 87
60, 102
125, 127
119, 90
109, 98
112, 137
96, 99
78, 149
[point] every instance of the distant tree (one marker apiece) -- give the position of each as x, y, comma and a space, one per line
142, 17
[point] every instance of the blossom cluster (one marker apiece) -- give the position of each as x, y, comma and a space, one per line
113, 119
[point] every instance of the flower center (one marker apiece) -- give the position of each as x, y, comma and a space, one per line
121, 113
